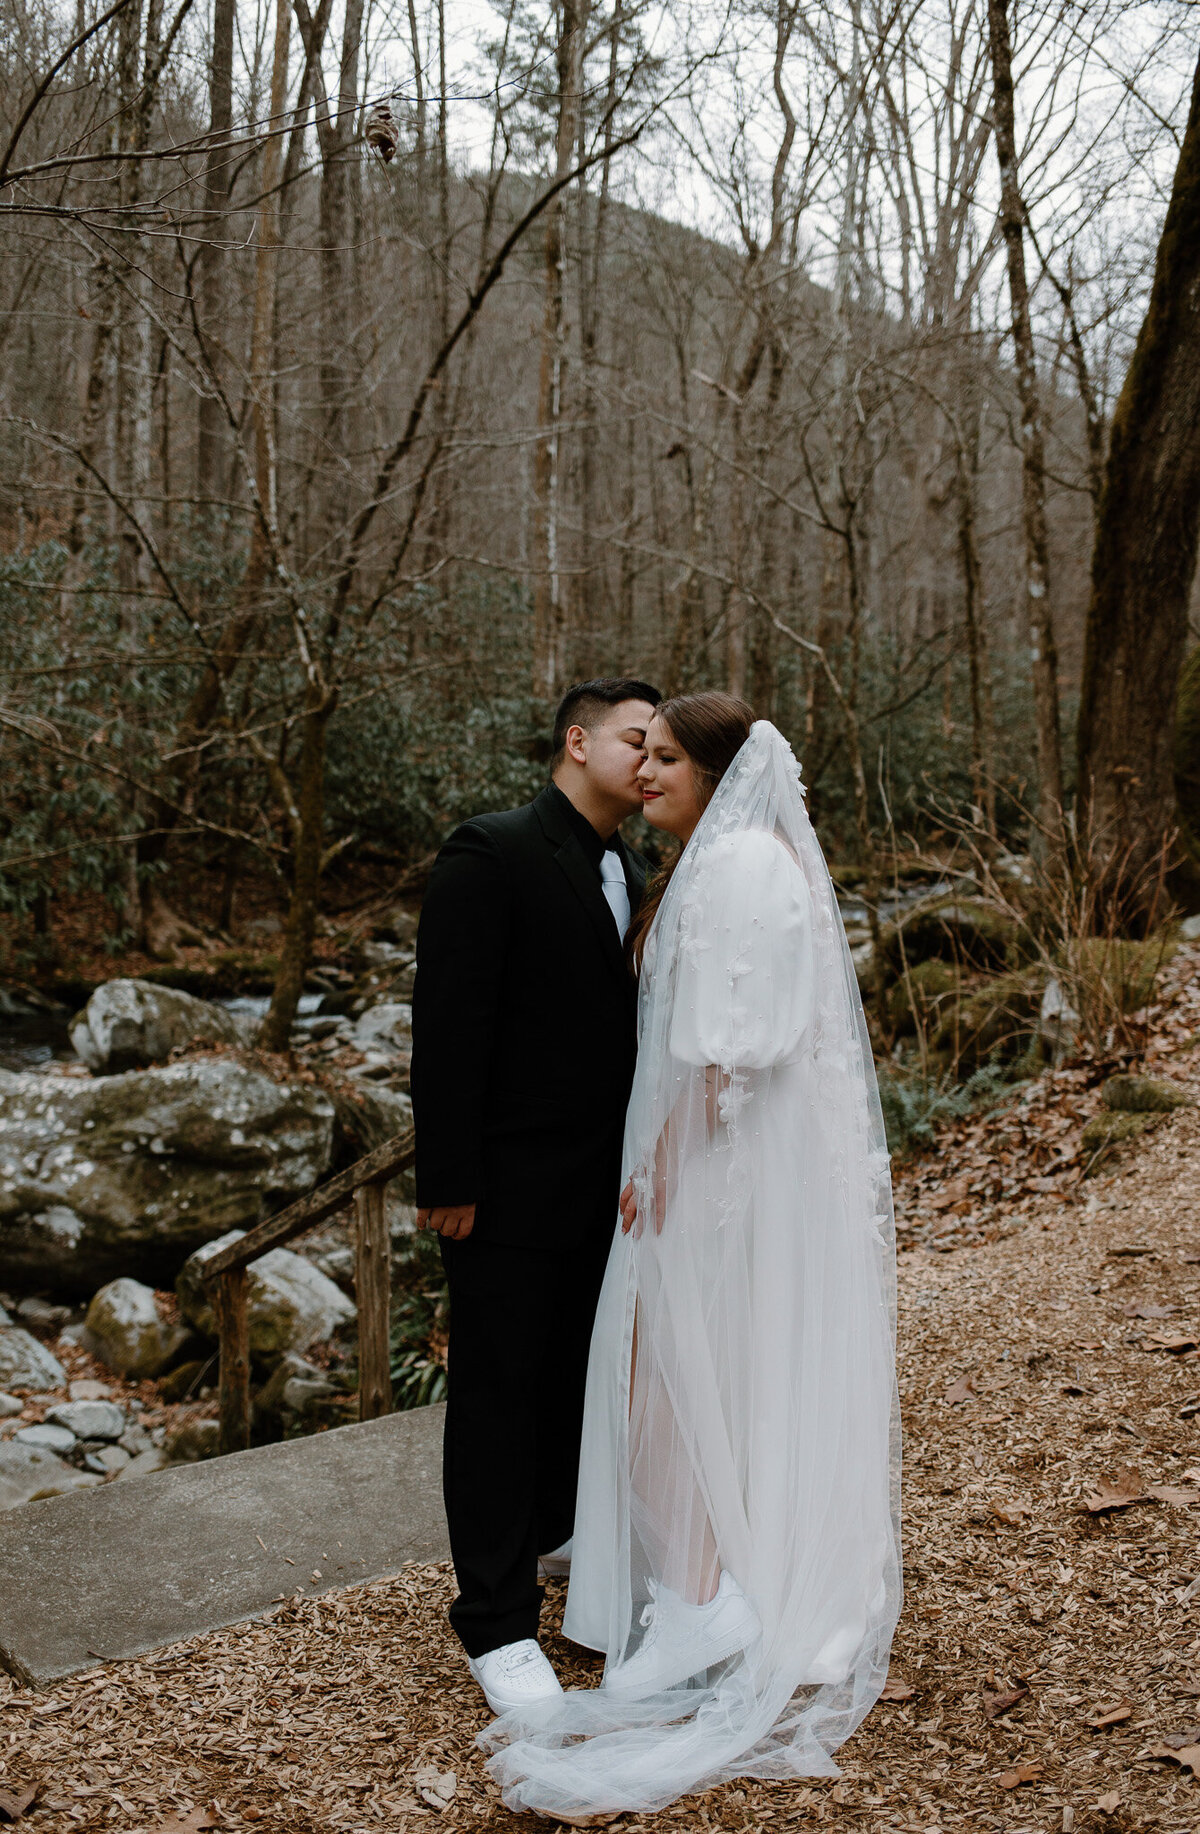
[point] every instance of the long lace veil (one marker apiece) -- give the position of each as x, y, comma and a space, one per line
741, 1411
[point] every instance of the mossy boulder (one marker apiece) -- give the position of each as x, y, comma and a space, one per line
1143, 1095
995, 1020
127, 1175
955, 929
923, 993
1107, 1130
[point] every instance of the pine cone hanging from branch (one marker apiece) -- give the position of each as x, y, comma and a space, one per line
382, 134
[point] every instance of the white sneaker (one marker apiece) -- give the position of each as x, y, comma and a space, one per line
556, 1565
515, 1675
683, 1640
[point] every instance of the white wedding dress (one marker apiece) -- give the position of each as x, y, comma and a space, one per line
741, 1410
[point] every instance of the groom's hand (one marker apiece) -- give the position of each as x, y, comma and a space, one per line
628, 1208
454, 1221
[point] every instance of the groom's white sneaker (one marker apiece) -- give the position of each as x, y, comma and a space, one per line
682, 1640
515, 1675
556, 1565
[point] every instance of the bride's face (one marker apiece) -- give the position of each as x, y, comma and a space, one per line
668, 784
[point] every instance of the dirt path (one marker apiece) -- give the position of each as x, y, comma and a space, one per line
1031, 1383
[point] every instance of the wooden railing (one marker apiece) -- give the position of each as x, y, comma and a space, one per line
225, 1277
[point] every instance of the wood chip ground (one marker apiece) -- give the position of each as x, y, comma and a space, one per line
1046, 1674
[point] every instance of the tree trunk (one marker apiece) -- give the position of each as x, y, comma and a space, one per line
1033, 460
308, 845
1142, 571
549, 610
212, 481
340, 214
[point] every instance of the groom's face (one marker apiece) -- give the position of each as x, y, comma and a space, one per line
615, 749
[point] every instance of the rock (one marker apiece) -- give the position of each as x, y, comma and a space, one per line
106, 1459
50, 1438
955, 928
996, 1020
368, 1115
135, 1440
290, 1369
125, 1330
43, 1316
24, 1363
1189, 929
89, 1419
9, 1406
292, 1304
129, 1024
386, 1027
143, 1464
29, 1471
1142, 1095
1107, 1130
928, 990
192, 1441
184, 1381
1059, 1025
129, 1174
89, 1391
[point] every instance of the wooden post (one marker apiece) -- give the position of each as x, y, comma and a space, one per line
373, 1287
233, 1326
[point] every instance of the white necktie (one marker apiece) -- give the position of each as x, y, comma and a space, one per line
612, 879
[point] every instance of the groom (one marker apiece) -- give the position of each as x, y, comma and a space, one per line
523, 1052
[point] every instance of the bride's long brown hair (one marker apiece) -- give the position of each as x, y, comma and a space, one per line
710, 730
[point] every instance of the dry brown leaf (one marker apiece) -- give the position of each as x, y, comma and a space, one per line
895, 1689
1137, 1308
1024, 1773
185, 1821
1002, 1702
14, 1802
1012, 1511
1187, 1756
1172, 1493
1173, 1341
958, 1391
1109, 1804
1110, 1716
1118, 1493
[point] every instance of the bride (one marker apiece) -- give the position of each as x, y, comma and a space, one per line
736, 1551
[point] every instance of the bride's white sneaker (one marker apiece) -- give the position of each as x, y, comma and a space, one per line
682, 1640
515, 1675
556, 1565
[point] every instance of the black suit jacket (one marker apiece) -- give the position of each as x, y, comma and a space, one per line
524, 1029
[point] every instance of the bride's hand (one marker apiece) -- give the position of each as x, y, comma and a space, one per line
628, 1208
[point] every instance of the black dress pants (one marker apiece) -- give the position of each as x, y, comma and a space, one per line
520, 1327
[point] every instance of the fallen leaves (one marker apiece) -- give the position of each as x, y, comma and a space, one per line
1171, 1341
185, 1821
1031, 1772
1001, 1701
896, 1689
1182, 1748
958, 1391
1012, 1512
1110, 1716
15, 1801
1124, 1488
1173, 1493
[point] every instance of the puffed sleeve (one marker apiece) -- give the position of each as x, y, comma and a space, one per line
743, 990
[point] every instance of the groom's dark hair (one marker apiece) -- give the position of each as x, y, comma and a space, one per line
587, 701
